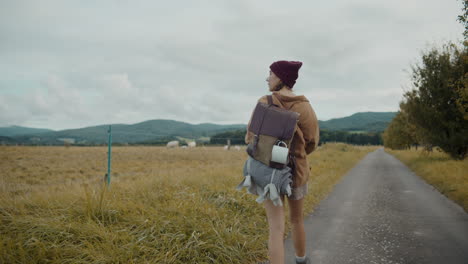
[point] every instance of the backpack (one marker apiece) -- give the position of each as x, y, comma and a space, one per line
272, 126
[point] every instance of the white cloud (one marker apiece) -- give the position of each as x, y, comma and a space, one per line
74, 64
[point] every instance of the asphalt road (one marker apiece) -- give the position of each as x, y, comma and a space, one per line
381, 212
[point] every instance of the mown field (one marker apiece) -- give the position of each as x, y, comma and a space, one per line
448, 176
163, 205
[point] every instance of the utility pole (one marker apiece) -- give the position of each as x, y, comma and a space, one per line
109, 151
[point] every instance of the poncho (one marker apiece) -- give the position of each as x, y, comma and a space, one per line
269, 183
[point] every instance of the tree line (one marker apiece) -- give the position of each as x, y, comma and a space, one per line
365, 138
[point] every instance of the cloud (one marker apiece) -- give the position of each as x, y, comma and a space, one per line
74, 64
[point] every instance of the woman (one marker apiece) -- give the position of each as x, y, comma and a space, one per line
283, 76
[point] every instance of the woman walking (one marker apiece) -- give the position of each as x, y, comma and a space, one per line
283, 76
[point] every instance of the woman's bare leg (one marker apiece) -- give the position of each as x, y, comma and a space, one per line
297, 222
275, 216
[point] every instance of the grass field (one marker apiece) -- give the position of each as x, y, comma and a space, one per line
163, 205
448, 176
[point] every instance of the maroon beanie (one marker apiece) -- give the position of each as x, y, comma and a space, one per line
287, 71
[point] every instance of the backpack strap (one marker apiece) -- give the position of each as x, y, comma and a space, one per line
270, 99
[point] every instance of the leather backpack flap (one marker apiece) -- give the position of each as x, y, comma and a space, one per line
279, 123
291, 127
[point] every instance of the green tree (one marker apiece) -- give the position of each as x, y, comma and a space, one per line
463, 18
462, 89
399, 133
462, 86
433, 105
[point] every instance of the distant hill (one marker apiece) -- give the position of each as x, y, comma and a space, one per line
151, 131
160, 131
363, 121
19, 130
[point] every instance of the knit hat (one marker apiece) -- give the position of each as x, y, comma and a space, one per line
287, 71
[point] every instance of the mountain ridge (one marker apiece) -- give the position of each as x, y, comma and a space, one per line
159, 131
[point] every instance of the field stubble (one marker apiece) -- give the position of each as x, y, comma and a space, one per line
448, 176
163, 205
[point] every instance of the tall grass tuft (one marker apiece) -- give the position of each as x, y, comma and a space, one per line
448, 176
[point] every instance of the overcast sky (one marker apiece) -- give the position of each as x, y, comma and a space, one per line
71, 64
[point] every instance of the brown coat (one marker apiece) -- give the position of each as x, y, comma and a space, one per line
305, 139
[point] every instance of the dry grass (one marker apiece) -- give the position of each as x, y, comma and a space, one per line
449, 176
163, 205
